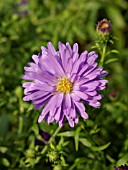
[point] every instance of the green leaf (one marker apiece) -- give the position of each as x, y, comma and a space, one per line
66, 134
115, 51
85, 142
100, 148
110, 158
5, 162
76, 137
111, 60
3, 149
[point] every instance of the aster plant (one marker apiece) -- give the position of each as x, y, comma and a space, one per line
103, 40
60, 80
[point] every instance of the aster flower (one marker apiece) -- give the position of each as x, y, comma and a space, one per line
60, 80
104, 26
122, 167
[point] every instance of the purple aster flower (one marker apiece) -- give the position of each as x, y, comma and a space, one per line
122, 167
104, 26
60, 80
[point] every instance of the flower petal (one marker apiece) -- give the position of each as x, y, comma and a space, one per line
81, 109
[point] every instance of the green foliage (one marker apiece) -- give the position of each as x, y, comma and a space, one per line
97, 143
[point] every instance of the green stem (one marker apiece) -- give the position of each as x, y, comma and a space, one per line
50, 140
103, 54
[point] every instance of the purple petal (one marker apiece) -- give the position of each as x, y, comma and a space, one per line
91, 86
69, 68
51, 48
39, 106
45, 110
103, 73
66, 60
58, 114
61, 121
83, 56
81, 81
69, 48
75, 56
35, 95
91, 93
75, 67
81, 95
44, 50
90, 69
27, 84
35, 58
42, 99
75, 97
98, 97
83, 69
67, 101
93, 103
55, 65
81, 109
55, 103
75, 48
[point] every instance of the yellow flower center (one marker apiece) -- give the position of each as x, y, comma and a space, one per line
64, 85
104, 25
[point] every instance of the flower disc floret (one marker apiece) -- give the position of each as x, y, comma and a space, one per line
64, 85
62, 82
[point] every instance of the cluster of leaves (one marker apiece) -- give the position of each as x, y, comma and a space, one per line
98, 143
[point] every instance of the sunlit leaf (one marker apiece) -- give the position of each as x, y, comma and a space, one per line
100, 148
85, 142
66, 134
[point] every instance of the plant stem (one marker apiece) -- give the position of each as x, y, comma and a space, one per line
103, 54
50, 140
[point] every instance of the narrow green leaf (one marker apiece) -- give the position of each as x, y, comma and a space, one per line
66, 134
115, 51
76, 137
100, 148
110, 158
111, 41
111, 60
85, 142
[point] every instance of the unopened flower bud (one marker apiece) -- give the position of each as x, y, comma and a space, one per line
104, 26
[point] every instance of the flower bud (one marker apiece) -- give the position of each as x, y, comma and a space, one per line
104, 26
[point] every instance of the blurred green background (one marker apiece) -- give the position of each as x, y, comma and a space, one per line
24, 27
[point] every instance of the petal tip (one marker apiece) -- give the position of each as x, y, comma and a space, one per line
40, 119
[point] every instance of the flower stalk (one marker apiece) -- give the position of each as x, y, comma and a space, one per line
103, 55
